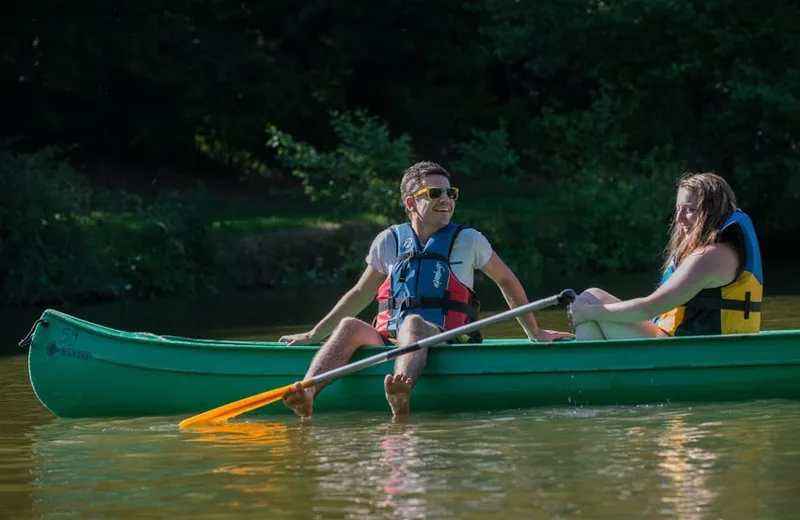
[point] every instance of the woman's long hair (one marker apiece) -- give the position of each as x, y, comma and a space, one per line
715, 203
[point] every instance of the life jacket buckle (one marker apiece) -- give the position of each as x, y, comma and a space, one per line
410, 303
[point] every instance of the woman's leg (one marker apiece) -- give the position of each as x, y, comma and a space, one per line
589, 331
595, 330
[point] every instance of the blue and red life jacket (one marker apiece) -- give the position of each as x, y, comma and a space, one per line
422, 282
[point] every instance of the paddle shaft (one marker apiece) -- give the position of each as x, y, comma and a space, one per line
566, 296
247, 404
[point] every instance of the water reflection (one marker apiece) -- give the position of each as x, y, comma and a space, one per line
129, 469
403, 484
271, 439
686, 468
737, 461
262, 434
364, 470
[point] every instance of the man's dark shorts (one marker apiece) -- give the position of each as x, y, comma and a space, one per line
463, 338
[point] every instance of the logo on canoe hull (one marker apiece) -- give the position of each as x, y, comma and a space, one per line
52, 350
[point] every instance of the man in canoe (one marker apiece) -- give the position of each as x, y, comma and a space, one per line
422, 272
712, 281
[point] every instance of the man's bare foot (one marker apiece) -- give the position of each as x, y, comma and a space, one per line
398, 393
300, 400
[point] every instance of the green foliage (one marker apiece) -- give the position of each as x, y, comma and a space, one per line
60, 239
610, 204
600, 106
171, 250
305, 256
487, 153
600, 220
44, 252
362, 171
514, 228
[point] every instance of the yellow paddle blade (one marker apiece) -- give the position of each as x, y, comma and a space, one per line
231, 410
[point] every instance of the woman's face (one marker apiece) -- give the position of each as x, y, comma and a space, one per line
686, 209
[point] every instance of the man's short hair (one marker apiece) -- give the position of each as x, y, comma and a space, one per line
416, 173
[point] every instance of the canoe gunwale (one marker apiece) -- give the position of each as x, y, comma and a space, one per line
199, 343
147, 352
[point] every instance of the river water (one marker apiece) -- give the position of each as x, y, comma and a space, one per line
718, 461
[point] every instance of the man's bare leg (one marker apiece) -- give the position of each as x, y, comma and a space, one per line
408, 367
350, 335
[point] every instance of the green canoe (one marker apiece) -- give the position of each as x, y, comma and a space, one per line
80, 369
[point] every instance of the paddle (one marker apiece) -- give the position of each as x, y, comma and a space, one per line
247, 404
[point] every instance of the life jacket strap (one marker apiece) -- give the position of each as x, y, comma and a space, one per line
746, 306
422, 255
421, 302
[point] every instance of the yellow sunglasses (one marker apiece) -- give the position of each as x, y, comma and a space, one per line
435, 193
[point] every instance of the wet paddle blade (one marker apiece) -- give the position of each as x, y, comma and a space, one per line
230, 410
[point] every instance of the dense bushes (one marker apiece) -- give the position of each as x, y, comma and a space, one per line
567, 121
60, 239
45, 252
63, 239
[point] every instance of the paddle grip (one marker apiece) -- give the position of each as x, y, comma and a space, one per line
567, 296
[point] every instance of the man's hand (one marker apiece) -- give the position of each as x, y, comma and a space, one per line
304, 338
546, 336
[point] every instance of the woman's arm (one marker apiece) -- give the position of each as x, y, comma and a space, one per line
714, 266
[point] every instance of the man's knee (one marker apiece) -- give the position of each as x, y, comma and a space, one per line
353, 327
417, 326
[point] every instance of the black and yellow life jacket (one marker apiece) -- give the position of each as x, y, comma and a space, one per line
731, 309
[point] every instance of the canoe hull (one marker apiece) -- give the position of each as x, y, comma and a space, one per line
80, 369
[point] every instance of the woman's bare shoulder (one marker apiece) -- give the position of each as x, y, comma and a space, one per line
719, 261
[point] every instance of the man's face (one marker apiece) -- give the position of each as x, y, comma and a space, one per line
431, 210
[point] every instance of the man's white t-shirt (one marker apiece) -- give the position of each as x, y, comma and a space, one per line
471, 251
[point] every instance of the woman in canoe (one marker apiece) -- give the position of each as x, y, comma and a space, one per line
712, 281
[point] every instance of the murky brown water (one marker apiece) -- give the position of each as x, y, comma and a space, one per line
731, 461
